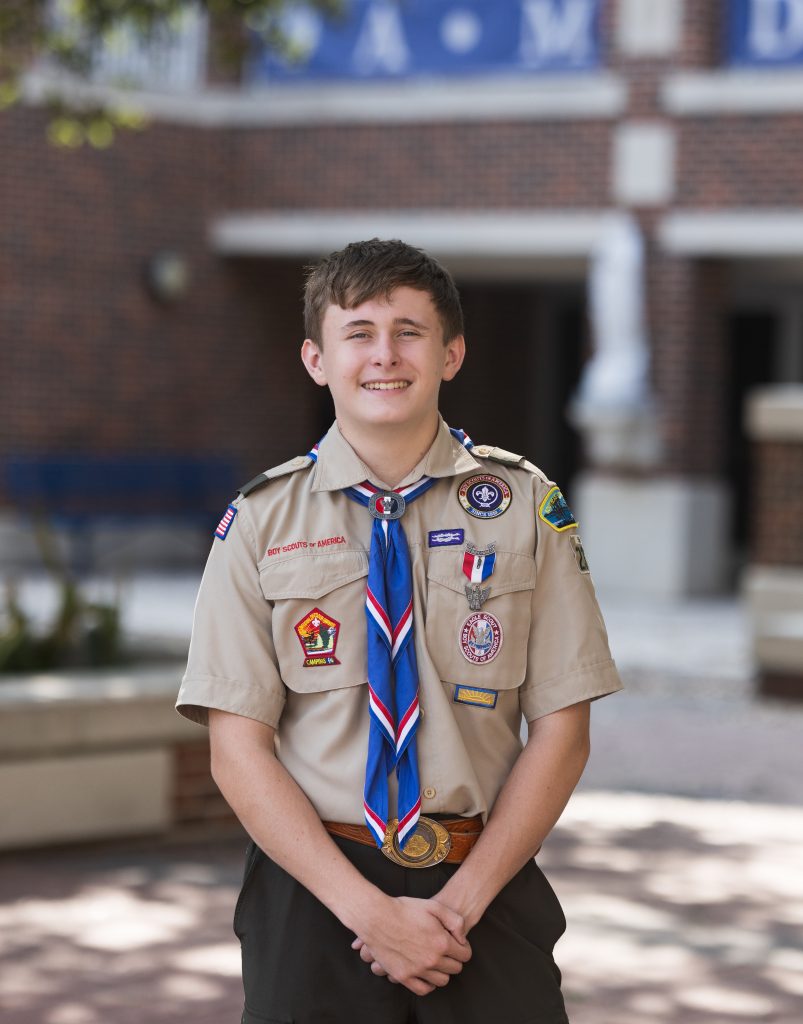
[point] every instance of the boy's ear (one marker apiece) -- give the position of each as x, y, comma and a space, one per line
312, 358
453, 356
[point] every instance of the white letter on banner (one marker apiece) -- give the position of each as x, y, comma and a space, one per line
766, 36
548, 33
381, 45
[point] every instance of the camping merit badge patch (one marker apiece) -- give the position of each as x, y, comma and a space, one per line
317, 634
555, 512
484, 496
480, 638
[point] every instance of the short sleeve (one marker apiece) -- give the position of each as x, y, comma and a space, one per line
232, 661
568, 658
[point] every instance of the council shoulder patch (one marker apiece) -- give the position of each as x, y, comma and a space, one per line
475, 696
484, 496
318, 635
224, 525
555, 512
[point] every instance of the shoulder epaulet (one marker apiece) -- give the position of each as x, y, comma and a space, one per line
292, 466
487, 451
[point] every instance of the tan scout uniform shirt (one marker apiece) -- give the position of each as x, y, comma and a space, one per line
296, 558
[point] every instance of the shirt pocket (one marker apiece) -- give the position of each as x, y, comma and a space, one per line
318, 619
485, 648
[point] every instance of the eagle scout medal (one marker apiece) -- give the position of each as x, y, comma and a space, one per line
480, 638
476, 595
478, 563
555, 512
484, 496
386, 505
317, 633
224, 525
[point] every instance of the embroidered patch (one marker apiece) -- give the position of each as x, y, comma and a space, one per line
579, 554
442, 538
317, 633
283, 549
555, 512
481, 638
224, 525
484, 496
474, 695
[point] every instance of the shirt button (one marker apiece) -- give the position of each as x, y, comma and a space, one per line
429, 793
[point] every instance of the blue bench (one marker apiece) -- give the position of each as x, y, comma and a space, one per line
77, 491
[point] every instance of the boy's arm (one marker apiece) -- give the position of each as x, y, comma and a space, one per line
530, 802
419, 942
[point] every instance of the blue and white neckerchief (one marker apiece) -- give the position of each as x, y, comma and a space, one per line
392, 667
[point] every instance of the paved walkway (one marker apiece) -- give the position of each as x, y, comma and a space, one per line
678, 861
680, 912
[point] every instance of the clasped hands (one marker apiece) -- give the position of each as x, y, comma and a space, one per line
417, 943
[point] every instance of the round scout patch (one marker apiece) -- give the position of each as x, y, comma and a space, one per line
480, 638
484, 496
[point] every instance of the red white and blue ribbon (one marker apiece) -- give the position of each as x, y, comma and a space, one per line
478, 567
392, 666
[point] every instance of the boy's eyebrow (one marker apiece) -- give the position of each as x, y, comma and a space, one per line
397, 320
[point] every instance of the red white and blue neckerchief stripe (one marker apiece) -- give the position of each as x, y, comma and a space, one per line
392, 666
392, 670
478, 567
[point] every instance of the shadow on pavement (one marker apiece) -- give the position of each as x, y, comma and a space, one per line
680, 912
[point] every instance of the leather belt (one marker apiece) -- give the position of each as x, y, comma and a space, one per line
449, 840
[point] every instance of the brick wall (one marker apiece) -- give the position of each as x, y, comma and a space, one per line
99, 367
197, 802
474, 166
776, 503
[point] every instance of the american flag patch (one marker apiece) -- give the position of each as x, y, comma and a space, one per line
224, 525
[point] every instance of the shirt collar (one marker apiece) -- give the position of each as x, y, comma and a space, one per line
339, 466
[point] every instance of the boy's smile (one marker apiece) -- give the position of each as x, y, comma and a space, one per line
384, 361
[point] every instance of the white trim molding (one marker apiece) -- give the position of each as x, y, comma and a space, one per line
775, 413
734, 232
461, 233
691, 93
556, 97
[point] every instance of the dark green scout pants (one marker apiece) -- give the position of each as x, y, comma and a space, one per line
299, 967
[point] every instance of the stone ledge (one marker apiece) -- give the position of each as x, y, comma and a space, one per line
86, 710
775, 413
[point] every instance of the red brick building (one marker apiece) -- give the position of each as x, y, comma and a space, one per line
687, 115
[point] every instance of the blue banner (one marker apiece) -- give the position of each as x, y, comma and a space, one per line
765, 33
391, 39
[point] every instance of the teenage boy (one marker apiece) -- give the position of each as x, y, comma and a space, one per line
373, 622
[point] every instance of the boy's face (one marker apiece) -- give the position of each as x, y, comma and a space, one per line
384, 361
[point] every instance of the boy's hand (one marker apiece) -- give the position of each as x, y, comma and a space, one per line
420, 945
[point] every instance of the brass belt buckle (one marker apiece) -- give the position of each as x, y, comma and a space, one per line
427, 846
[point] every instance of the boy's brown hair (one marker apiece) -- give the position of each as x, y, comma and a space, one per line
373, 269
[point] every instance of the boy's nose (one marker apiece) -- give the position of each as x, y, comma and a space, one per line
385, 351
